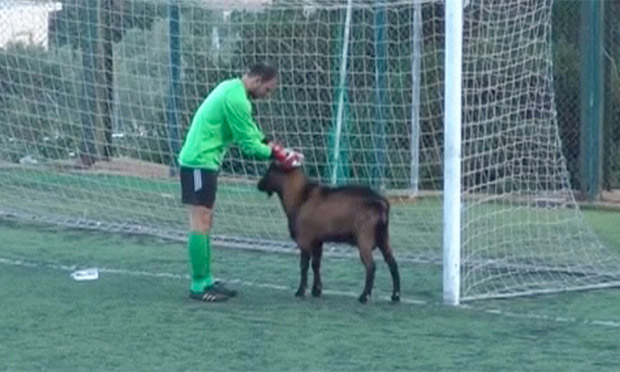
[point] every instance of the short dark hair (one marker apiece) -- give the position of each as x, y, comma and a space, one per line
265, 71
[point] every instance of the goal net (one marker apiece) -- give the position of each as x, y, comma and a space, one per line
97, 96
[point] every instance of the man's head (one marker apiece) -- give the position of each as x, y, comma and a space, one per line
260, 80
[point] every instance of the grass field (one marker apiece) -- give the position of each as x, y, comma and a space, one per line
137, 315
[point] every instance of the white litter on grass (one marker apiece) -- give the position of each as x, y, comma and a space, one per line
86, 274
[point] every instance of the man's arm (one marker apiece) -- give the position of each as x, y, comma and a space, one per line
251, 140
244, 131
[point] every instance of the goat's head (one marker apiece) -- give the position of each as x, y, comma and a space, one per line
276, 177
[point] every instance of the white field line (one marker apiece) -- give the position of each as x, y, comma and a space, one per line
498, 312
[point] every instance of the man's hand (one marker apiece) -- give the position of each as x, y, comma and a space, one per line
287, 158
278, 151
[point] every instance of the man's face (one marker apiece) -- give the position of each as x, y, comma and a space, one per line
261, 89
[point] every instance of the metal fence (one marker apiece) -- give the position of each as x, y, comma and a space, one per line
572, 52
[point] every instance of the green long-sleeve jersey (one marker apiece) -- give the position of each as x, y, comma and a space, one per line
223, 118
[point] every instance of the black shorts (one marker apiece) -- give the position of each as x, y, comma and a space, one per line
198, 186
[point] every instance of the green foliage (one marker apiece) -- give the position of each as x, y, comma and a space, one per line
304, 113
141, 72
40, 104
67, 26
39, 112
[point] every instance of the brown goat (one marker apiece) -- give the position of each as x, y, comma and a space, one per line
317, 214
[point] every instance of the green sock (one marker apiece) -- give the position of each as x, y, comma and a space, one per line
199, 249
209, 277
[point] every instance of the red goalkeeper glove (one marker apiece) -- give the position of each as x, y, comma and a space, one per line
286, 158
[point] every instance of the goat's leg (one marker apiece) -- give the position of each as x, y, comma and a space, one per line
317, 286
303, 265
369, 264
391, 262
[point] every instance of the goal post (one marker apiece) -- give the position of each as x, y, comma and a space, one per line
453, 58
448, 106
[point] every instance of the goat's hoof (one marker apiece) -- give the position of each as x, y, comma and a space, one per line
316, 292
396, 298
363, 298
300, 293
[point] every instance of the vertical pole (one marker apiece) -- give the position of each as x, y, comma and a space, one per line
610, 81
592, 97
416, 81
88, 101
172, 106
452, 152
341, 91
379, 143
107, 62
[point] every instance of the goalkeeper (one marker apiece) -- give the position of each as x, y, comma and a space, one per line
223, 118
